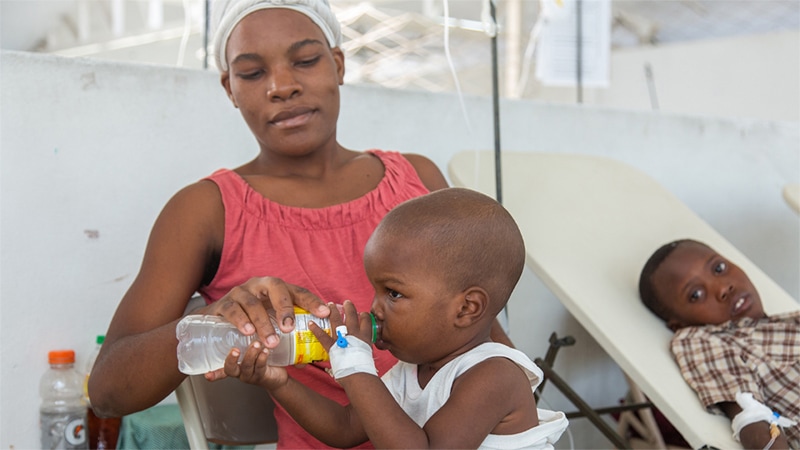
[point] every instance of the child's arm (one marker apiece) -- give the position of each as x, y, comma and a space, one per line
755, 435
333, 424
493, 396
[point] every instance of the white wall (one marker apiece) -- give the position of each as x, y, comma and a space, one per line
753, 76
91, 151
25, 24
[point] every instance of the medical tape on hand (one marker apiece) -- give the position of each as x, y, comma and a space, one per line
355, 358
754, 411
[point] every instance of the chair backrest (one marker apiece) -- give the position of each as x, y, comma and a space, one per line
589, 224
227, 411
791, 193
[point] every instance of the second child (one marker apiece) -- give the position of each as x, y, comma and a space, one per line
740, 361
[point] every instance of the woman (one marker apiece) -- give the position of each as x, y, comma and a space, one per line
288, 227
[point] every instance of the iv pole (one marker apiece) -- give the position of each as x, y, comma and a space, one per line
496, 105
498, 176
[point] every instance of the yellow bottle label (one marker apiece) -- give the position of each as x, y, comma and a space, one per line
307, 347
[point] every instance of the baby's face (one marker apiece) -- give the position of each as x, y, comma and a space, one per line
412, 302
699, 287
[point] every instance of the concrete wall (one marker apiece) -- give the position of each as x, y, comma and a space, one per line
747, 76
91, 151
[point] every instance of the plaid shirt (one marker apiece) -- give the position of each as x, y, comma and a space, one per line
757, 356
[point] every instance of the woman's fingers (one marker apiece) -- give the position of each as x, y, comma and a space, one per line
284, 297
243, 308
246, 306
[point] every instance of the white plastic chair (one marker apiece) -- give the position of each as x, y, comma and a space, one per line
791, 193
226, 412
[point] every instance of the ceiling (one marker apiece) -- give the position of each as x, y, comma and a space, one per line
378, 35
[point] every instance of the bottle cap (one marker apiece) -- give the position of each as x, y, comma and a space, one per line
100, 339
61, 357
376, 329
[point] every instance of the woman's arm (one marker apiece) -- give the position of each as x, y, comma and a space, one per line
499, 335
137, 366
427, 171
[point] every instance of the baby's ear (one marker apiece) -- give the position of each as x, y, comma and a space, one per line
473, 304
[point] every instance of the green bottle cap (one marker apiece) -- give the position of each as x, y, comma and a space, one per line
375, 328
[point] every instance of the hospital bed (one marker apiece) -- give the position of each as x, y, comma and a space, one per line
589, 224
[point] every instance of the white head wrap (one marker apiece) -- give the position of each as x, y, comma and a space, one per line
227, 14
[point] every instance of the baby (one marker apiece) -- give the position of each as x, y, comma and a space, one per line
442, 266
740, 361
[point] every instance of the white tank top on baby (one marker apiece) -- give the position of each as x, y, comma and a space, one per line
420, 404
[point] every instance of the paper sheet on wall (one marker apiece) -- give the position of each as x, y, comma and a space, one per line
556, 56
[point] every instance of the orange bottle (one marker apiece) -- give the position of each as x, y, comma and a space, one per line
103, 431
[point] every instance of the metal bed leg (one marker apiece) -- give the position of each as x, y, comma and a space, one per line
582, 406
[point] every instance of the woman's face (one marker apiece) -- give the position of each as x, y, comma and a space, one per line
284, 78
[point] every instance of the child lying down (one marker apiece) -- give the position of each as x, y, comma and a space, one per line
741, 362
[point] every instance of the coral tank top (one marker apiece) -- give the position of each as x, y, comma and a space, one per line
320, 249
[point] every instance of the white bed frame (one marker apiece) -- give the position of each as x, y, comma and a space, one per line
589, 224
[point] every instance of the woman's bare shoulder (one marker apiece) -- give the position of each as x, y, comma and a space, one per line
428, 171
196, 210
199, 195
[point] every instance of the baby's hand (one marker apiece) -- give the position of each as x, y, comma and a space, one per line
357, 324
254, 368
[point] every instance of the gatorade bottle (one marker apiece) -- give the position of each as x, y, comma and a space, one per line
205, 342
62, 415
103, 432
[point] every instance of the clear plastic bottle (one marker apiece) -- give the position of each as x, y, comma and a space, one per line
205, 341
62, 415
103, 431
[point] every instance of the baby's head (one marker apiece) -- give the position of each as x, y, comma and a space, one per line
228, 13
687, 283
450, 258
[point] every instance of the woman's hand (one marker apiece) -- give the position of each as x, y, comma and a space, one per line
246, 307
